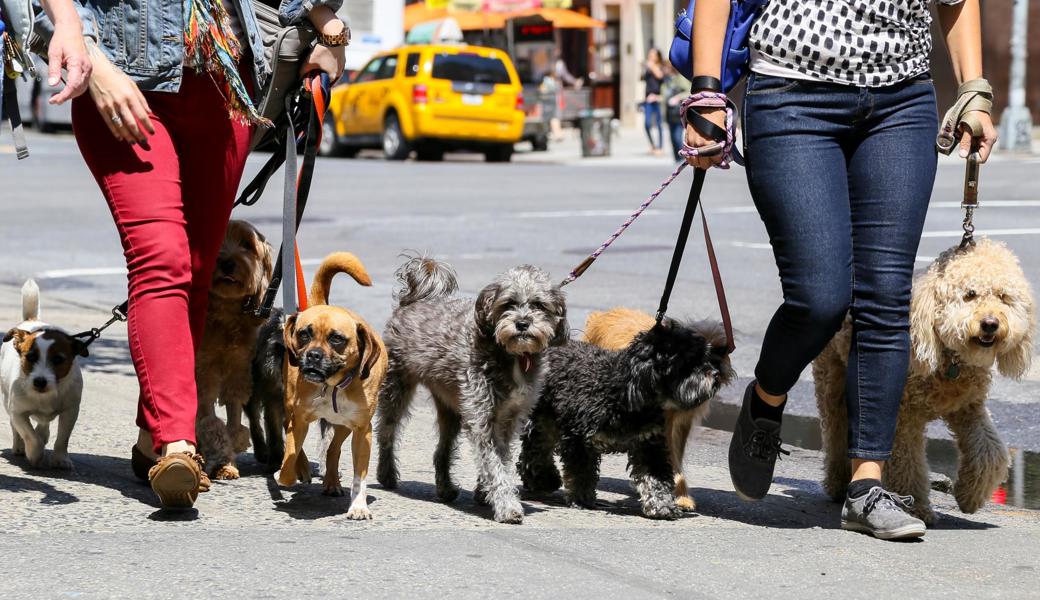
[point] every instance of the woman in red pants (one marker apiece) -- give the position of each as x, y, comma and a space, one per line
165, 131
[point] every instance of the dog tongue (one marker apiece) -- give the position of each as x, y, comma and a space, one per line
526, 363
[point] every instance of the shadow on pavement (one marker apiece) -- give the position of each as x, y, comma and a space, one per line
110, 356
105, 471
464, 503
51, 495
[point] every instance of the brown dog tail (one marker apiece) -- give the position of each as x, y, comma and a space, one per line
335, 263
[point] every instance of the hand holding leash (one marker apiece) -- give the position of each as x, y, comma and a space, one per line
708, 118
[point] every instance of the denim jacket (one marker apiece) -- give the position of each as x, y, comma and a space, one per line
145, 38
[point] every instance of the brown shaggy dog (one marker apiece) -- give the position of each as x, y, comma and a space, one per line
223, 361
614, 330
971, 309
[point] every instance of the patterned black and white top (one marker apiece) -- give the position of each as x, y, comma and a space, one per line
866, 43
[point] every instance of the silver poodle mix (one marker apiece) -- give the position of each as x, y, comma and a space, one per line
480, 361
971, 309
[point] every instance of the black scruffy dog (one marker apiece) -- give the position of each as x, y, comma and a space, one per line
268, 396
594, 401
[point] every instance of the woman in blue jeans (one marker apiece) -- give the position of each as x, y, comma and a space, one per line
839, 130
654, 77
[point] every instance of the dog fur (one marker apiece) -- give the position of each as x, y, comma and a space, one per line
40, 380
267, 404
480, 362
328, 347
615, 329
223, 359
596, 401
949, 378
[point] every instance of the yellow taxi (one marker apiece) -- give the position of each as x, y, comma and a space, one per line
428, 98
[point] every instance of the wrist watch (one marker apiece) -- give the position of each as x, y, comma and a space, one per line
334, 41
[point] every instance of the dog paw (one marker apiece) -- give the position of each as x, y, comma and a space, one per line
37, 460
581, 500
359, 513
969, 500
239, 438
448, 493
61, 461
511, 513
662, 510
260, 453
686, 503
226, 472
480, 497
18, 451
284, 478
333, 488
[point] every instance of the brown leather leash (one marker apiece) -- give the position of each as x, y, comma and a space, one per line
971, 198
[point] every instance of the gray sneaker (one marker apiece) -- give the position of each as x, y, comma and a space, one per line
882, 514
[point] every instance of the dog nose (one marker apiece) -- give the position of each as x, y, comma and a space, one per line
227, 266
315, 355
40, 383
522, 325
990, 325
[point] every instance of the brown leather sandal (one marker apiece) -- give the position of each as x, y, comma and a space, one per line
141, 464
177, 479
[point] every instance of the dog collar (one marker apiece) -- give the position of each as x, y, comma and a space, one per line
342, 385
953, 370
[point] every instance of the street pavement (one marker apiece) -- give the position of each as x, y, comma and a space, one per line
97, 533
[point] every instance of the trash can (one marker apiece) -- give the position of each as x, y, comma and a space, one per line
595, 132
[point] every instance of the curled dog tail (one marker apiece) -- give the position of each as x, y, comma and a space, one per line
30, 301
337, 262
424, 278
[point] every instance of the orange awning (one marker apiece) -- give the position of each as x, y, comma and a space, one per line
417, 13
561, 18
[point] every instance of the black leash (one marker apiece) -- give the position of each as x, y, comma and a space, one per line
89, 336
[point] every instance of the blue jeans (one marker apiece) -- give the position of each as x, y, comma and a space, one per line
677, 133
652, 115
841, 177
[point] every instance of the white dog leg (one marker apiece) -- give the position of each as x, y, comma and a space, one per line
17, 445
984, 458
66, 421
34, 446
359, 500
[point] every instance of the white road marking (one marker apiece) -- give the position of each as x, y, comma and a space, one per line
755, 245
557, 214
988, 232
86, 272
990, 203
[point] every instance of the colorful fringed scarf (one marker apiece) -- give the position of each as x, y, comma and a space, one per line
211, 46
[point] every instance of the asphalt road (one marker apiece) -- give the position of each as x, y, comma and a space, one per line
96, 533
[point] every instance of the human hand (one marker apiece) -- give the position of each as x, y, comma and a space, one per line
695, 139
327, 60
986, 139
67, 49
119, 100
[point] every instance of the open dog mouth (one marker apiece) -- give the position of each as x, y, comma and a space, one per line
986, 341
227, 279
313, 374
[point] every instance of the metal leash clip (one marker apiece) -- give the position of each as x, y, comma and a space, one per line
971, 198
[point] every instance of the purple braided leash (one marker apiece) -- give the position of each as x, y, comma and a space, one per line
729, 155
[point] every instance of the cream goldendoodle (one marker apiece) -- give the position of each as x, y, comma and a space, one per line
971, 309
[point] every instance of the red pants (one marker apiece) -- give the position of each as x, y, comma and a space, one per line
171, 203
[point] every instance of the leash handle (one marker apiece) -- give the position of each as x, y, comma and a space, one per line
971, 197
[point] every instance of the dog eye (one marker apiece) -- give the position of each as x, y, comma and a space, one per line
58, 359
1005, 298
537, 306
337, 340
970, 295
304, 337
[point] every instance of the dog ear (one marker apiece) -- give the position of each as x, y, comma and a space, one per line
562, 335
642, 382
927, 348
12, 334
265, 253
79, 347
483, 310
1016, 362
369, 349
289, 336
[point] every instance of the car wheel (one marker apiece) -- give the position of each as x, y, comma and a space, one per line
395, 146
503, 153
429, 152
330, 144
540, 143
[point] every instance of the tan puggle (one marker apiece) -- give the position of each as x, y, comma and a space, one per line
335, 365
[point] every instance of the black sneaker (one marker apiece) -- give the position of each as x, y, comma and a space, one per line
753, 451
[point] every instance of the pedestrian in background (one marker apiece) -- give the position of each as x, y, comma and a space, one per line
840, 126
673, 91
166, 132
653, 76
